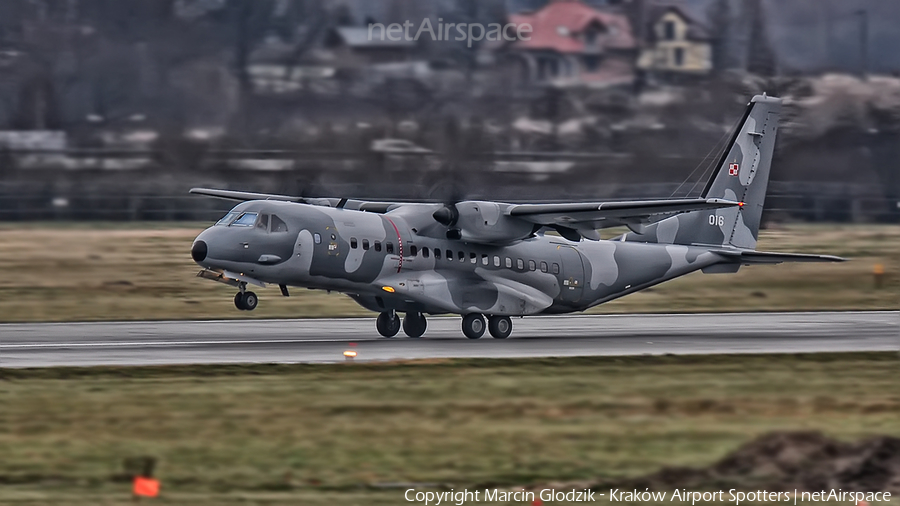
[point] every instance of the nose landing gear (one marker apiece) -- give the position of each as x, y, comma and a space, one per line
244, 300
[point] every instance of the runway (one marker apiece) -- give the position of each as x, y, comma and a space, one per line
325, 340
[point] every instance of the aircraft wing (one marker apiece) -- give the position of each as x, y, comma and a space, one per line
595, 215
359, 205
749, 257
243, 196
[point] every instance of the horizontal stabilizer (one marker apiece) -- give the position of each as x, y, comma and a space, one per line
749, 257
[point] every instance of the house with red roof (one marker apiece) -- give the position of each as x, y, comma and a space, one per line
573, 43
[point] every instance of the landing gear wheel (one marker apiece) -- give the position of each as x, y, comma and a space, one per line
500, 327
473, 325
388, 324
239, 301
414, 324
250, 301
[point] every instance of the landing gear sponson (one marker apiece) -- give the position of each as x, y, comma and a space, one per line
414, 324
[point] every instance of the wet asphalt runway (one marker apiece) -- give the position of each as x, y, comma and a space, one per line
289, 341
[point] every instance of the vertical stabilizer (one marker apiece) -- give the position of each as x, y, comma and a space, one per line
742, 175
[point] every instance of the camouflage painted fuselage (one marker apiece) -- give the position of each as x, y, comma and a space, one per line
541, 274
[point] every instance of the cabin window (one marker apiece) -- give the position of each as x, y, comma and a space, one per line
377, 246
449, 255
437, 254
544, 267
413, 250
520, 264
263, 222
389, 248
278, 225
317, 238
531, 265
246, 220
508, 263
462, 256
496, 261
353, 243
365, 244
484, 259
424, 252
555, 269
473, 257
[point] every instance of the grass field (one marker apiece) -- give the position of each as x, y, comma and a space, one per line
111, 271
357, 433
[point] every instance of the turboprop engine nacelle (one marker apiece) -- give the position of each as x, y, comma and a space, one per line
482, 222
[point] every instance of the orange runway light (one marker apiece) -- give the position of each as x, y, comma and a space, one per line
350, 354
145, 487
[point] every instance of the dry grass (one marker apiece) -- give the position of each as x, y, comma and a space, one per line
144, 271
329, 434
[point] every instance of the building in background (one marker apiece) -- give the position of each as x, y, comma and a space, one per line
573, 43
675, 45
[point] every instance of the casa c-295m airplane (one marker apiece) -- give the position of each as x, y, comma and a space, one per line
491, 259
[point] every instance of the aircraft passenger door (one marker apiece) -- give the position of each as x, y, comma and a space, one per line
571, 276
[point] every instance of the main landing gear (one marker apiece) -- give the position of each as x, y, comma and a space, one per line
473, 326
414, 324
388, 324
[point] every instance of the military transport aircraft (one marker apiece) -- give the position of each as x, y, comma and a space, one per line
490, 259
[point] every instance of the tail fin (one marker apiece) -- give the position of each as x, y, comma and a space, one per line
742, 175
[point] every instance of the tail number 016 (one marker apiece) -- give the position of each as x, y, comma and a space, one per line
716, 221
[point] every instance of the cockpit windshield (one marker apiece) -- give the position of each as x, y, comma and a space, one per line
228, 218
246, 220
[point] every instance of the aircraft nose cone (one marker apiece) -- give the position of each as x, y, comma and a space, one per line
199, 251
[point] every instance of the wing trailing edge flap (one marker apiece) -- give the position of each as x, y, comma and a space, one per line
750, 257
583, 217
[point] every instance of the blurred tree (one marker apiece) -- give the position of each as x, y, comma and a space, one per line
760, 57
719, 19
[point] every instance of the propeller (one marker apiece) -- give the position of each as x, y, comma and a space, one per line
450, 192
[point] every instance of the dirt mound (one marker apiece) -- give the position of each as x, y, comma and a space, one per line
806, 461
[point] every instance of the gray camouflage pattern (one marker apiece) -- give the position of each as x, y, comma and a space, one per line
490, 268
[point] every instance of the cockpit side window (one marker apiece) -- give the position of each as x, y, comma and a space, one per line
278, 225
246, 220
263, 222
227, 218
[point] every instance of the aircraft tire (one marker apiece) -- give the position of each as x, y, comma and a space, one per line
414, 324
250, 301
473, 325
388, 324
500, 327
239, 301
